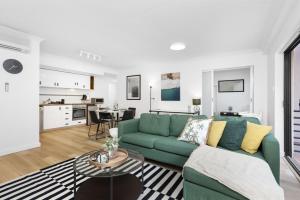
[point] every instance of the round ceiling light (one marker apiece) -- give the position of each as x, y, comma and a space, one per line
177, 46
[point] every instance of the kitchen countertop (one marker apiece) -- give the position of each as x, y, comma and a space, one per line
66, 104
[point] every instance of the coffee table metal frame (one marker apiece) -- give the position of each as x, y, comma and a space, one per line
108, 172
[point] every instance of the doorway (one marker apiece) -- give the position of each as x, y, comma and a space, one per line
292, 104
227, 90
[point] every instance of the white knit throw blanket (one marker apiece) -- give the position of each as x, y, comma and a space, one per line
247, 175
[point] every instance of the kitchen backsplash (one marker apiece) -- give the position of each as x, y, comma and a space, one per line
69, 95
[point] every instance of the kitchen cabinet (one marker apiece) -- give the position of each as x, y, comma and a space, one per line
83, 82
57, 79
57, 116
67, 116
80, 81
47, 80
78, 122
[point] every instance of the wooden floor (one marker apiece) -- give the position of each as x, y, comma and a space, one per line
56, 146
60, 145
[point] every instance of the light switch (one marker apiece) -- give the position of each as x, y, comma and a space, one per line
6, 87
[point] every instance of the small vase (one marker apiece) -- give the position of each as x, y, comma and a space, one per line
111, 153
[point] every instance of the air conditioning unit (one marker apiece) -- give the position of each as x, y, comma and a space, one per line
14, 47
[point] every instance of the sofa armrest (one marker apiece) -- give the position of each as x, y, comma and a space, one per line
128, 126
271, 152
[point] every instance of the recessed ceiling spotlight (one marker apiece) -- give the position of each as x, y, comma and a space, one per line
177, 46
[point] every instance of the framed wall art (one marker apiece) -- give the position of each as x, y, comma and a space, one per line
236, 85
133, 87
170, 86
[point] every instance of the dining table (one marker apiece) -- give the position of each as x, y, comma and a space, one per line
114, 112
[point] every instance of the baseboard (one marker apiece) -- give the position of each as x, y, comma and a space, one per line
282, 153
19, 148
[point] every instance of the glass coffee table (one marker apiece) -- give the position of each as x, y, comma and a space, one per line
114, 183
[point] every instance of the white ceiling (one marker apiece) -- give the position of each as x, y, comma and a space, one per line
131, 32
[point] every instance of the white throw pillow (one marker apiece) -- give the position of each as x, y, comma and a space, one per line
195, 131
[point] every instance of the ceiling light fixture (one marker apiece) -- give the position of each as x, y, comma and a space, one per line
90, 56
177, 46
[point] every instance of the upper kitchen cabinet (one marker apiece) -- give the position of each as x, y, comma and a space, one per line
57, 79
81, 82
47, 78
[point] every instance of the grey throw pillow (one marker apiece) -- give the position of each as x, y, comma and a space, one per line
233, 134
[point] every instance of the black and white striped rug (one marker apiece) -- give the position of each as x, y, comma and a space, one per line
56, 182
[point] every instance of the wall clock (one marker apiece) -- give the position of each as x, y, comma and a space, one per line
13, 66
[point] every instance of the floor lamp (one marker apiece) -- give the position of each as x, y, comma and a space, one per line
150, 98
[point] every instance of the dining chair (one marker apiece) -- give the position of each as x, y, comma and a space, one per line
107, 118
127, 115
133, 110
98, 122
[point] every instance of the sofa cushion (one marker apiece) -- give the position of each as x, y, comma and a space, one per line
178, 122
154, 124
141, 139
254, 135
172, 145
195, 131
226, 118
198, 178
258, 154
233, 134
215, 132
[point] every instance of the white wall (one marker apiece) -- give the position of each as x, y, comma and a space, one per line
285, 30
207, 92
240, 101
105, 87
19, 119
191, 80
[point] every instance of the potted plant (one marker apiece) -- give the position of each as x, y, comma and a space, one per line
112, 145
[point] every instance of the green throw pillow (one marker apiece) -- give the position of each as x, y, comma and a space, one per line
233, 134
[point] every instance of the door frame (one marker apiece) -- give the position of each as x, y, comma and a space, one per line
288, 135
213, 98
288, 97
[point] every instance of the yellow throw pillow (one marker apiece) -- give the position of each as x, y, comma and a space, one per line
254, 135
215, 133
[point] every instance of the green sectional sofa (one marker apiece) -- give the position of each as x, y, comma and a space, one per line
156, 137
198, 186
